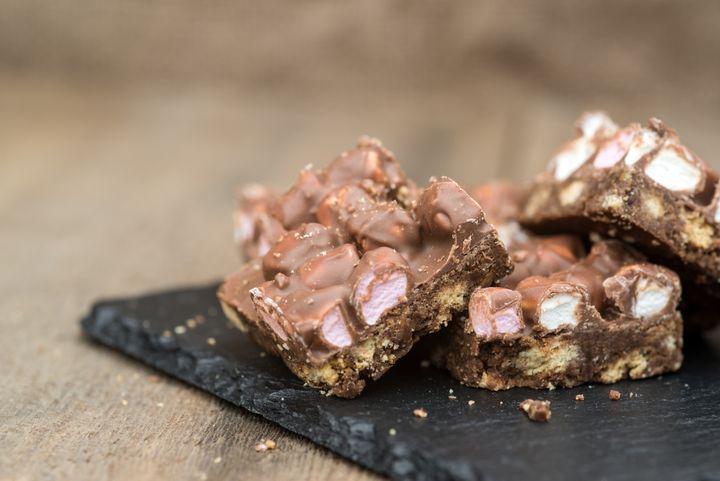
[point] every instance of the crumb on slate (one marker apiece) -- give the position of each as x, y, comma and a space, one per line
265, 445
392, 432
536, 410
211, 341
471, 402
614, 395
191, 323
179, 330
263, 354
451, 397
167, 333
580, 397
424, 363
420, 413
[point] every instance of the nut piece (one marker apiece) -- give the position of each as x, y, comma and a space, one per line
675, 168
538, 411
643, 291
614, 395
495, 312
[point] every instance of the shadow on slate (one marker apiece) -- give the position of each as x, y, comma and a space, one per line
670, 428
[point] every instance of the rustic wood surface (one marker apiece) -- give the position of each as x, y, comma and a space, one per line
124, 135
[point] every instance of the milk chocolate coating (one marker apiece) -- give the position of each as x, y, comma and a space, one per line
495, 313
641, 185
397, 250
604, 317
367, 265
256, 230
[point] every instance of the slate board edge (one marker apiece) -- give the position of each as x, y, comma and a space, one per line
106, 325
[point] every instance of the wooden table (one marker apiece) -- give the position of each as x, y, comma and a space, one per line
110, 193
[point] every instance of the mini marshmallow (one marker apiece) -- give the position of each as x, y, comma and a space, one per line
674, 171
651, 298
573, 157
558, 310
644, 142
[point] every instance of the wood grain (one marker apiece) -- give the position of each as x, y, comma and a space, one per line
117, 175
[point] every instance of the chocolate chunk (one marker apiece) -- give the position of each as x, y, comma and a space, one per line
297, 206
542, 257
368, 265
566, 319
641, 185
298, 246
643, 291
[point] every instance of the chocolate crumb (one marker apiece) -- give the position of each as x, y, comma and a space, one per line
538, 411
420, 413
580, 397
614, 395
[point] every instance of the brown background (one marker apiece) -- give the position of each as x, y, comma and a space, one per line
125, 127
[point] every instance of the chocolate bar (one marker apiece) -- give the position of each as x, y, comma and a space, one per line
641, 185
569, 320
364, 264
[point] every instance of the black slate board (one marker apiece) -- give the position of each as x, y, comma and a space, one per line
670, 431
